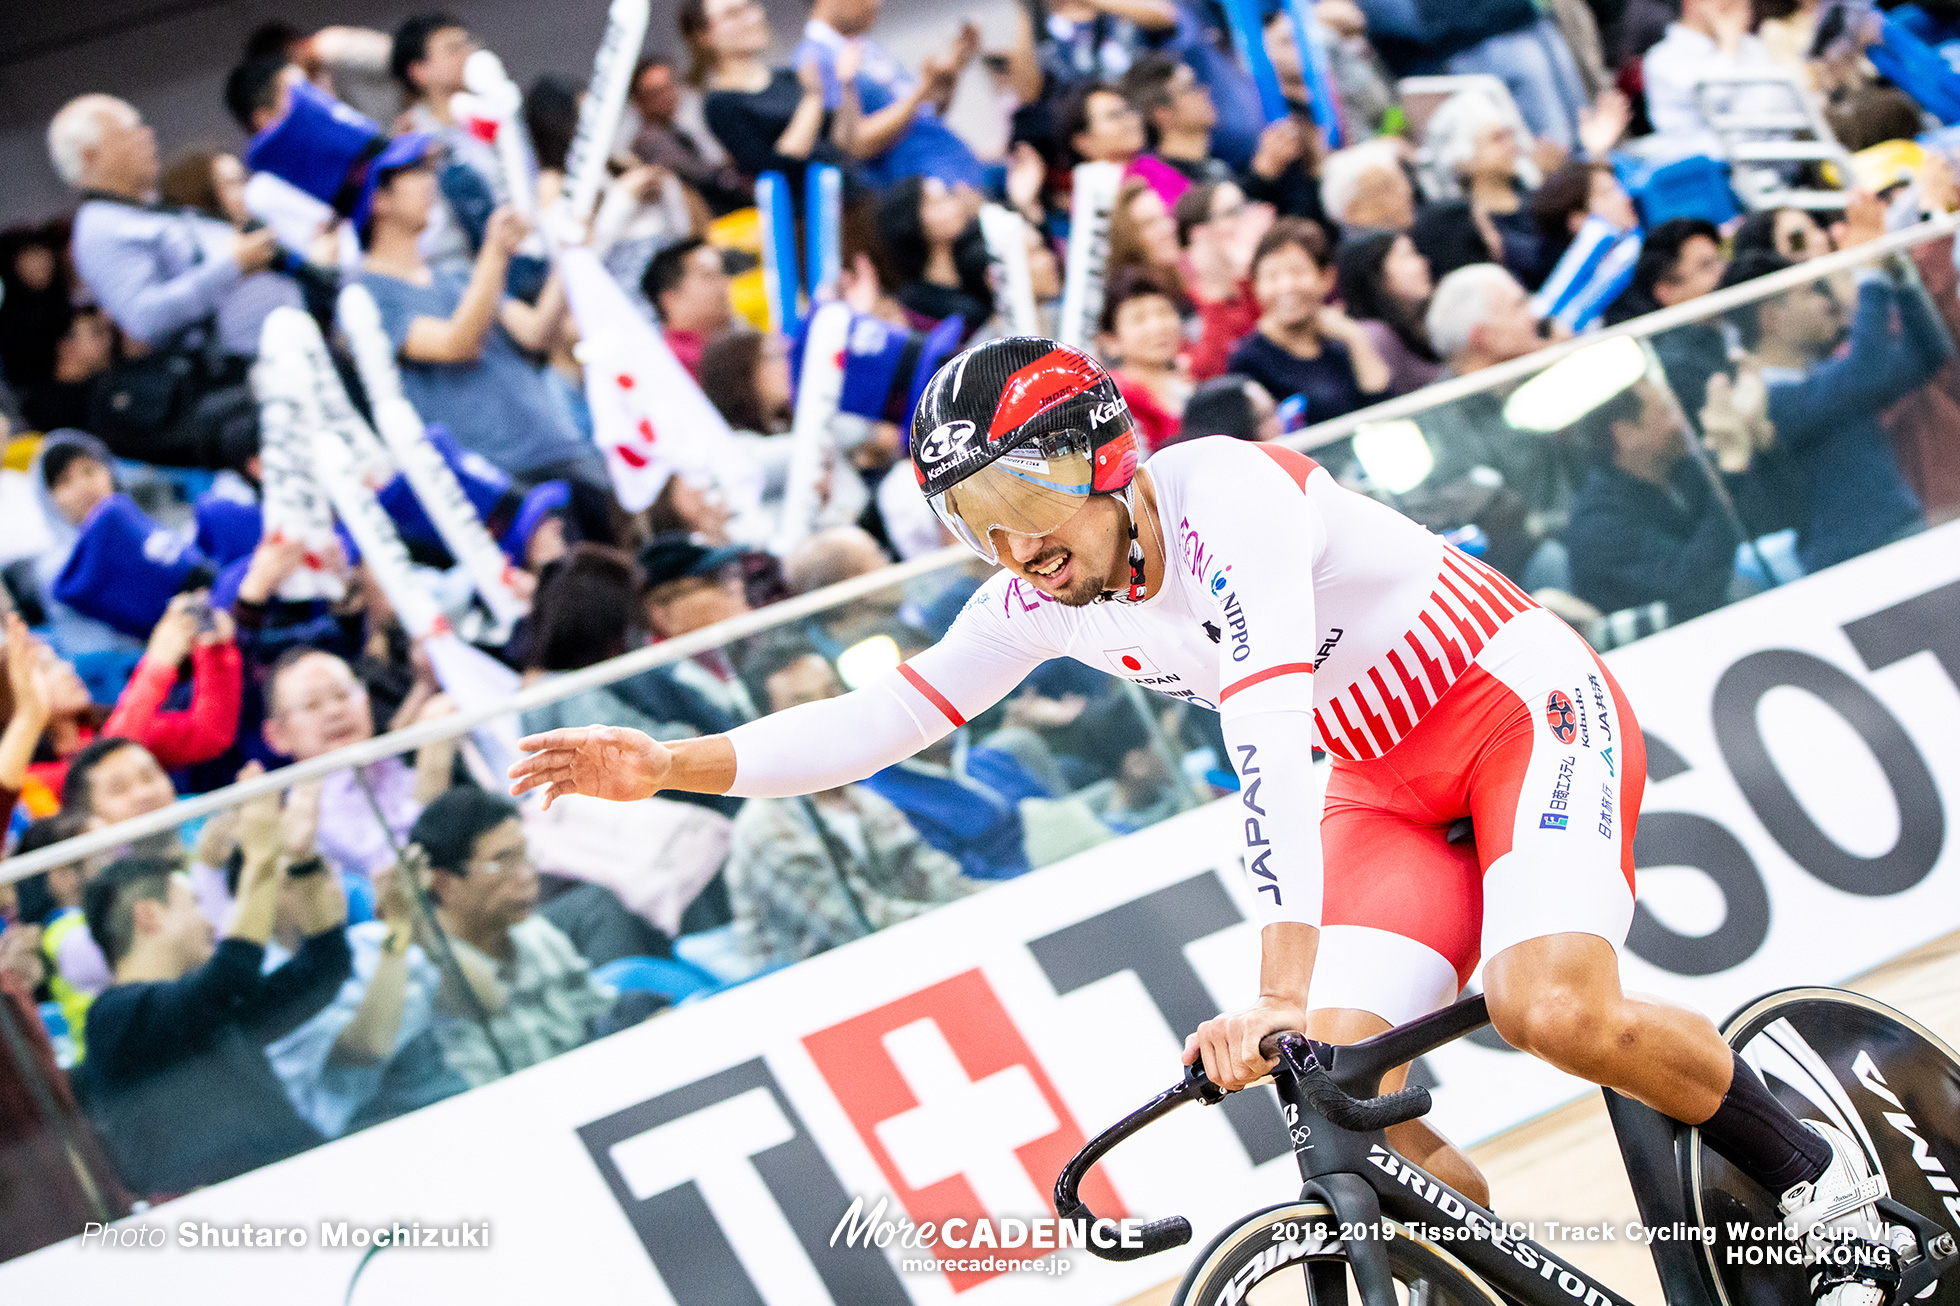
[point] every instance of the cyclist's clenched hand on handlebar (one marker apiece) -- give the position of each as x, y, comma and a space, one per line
1229, 1044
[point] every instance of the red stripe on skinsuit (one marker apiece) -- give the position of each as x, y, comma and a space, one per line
933, 696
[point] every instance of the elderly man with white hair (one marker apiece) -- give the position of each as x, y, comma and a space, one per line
170, 280
1365, 189
1479, 317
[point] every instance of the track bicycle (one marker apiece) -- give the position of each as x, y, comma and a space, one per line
1826, 1053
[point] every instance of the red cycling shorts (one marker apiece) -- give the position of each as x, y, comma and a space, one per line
1534, 743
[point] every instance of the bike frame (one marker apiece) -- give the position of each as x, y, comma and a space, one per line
1363, 1180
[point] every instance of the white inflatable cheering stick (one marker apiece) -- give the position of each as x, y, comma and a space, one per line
435, 486
1093, 203
494, 98
293, 507
819, 390
1006, 234
599, 115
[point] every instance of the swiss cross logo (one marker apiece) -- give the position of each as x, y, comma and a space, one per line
1130, 662
954, 1107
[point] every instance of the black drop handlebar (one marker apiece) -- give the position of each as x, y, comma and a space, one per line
1298, 1061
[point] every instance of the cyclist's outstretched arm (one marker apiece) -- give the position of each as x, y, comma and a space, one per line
805, 749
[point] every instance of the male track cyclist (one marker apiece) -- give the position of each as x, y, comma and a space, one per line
1240, 577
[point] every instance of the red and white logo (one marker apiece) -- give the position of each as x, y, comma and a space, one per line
952, 1104
1130, 661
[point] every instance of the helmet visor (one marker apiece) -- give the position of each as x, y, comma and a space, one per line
1030, 491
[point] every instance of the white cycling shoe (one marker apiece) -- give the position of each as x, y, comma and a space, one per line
1846, 1254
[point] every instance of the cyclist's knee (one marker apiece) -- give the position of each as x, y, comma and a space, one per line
1570, 1027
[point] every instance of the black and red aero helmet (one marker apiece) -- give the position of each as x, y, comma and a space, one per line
1014, 434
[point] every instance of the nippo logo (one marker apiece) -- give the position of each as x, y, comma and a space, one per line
948, 440
1560, 717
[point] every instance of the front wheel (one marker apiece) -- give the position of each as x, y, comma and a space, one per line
1292, 1255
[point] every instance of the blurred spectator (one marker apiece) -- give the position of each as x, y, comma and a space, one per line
1646, 525
643, 211
686, 587
1178, 115
745, 375
1364, 189
766, 120
209, 181
1230, 405
83, 351
806, 874
584, 613
73, 474
73, 965
427, 60
204, 726
1513, 42
371, 1053
176, 1079
1097, 125
937, 251
1573, 192
1592, 243
36, 304
551, 108
1143, 236
1480, 317
1681, 259
839, 554
1284, 170
1385, 286
963, 800
688, 289
663, 142
1141, 341
900, 133
58, 1176
114, 779
177, 284
530, 995
1711, 38
1303, 346
1787, 233
1826, 407
314, 705
1475, 155
1218, 229
459, 339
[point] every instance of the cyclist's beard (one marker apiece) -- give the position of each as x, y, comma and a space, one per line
1084, 585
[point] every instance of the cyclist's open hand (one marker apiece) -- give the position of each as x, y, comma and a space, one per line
1229, 1044
598, 761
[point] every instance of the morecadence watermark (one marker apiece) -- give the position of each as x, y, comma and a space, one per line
862, 1227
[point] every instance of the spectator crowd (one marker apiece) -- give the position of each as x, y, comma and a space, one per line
207, 1001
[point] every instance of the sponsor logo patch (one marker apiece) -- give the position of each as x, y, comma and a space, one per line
1560, 717
1551, 821
948, 440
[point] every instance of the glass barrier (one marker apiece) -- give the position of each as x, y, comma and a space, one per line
421, 938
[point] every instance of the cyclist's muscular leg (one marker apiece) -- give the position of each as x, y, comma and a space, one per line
1418, 1140
1558, 997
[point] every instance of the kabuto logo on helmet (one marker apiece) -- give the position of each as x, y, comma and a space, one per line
948, 440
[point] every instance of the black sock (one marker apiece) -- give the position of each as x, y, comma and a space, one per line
1758, 1133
